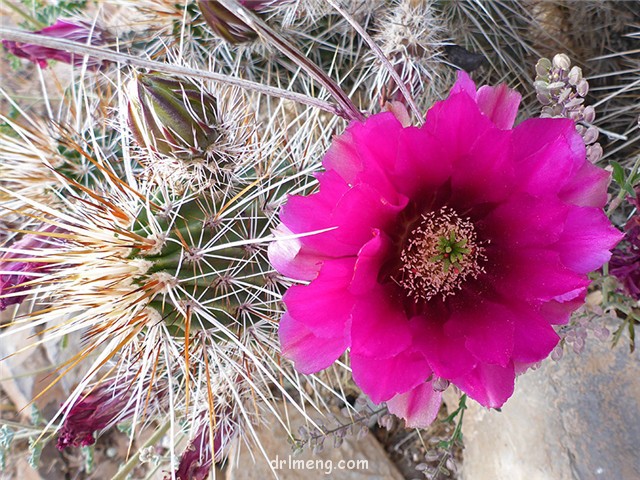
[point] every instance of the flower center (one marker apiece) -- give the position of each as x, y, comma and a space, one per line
439, 255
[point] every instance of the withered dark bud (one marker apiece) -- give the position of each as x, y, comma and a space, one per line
463, 58
171, 117
226, 24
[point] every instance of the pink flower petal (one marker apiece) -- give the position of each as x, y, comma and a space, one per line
586, 240
377, 141
399, 111
534, 338
532, 274
422, 164
370, 259
418, 407
447, 354
294, 213
289, 257
525, 221
382, 379
489, 385
481, 170
487, 175
500, 104
487, 327
458, 124
547, 152
380, 327
558, 312
324, 306
370, 148
587, 187
464, 84
358, 211
309, 352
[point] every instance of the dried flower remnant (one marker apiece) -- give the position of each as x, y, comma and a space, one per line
196, 460
67, 29
562, 89
510, 223
625, 266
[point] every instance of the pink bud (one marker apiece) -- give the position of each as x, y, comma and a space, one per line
74, 30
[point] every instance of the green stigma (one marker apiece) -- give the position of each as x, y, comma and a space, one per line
451, 251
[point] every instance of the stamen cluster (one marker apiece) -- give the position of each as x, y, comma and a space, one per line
440, 253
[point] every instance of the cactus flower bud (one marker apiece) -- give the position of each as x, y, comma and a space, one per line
171, 117
226, 24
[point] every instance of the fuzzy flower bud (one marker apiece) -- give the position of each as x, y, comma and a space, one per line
171, 117
17, 269
74, 30
226, 24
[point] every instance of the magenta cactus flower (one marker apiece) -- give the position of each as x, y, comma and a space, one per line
74, 30
448, 251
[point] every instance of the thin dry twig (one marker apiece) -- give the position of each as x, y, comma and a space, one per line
125, 59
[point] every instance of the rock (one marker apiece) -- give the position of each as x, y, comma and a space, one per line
575, 419
28, 364
25, 471
62, 351
19, 364
353, 460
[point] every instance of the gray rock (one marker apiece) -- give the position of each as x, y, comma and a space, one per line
367, 458
28, 361
575, 419
19, 364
